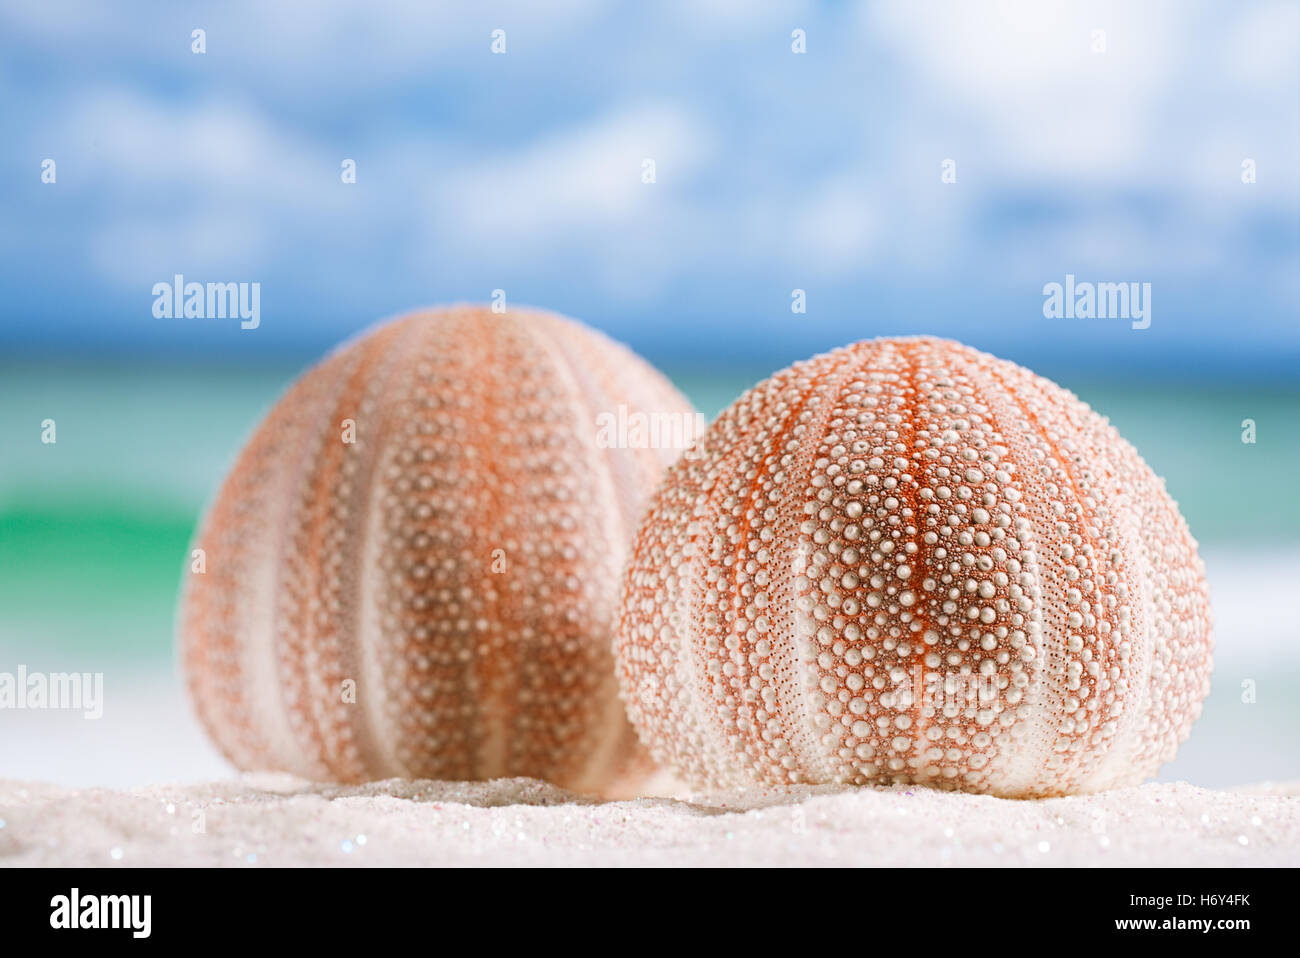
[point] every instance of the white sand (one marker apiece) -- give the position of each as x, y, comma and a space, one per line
277, 820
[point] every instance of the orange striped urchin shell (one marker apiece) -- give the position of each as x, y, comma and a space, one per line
909, 561
435, 598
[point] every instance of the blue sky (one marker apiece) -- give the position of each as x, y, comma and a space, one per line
774, 171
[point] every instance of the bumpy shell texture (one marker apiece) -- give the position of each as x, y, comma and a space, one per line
413, 567
907, 561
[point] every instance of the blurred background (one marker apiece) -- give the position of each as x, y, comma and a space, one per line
921, 168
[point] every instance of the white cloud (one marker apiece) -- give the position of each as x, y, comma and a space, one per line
761, 171
587, 178
1262, 49
304, 49
836, 228
136, 252
1024, 72
1142, 143
204, 183
744, 15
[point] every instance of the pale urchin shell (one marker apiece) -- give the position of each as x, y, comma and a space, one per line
432, 594
907, 561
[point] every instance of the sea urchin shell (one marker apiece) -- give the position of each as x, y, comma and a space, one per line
413, 567
908, 561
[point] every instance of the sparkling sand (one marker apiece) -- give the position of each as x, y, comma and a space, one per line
261, 820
